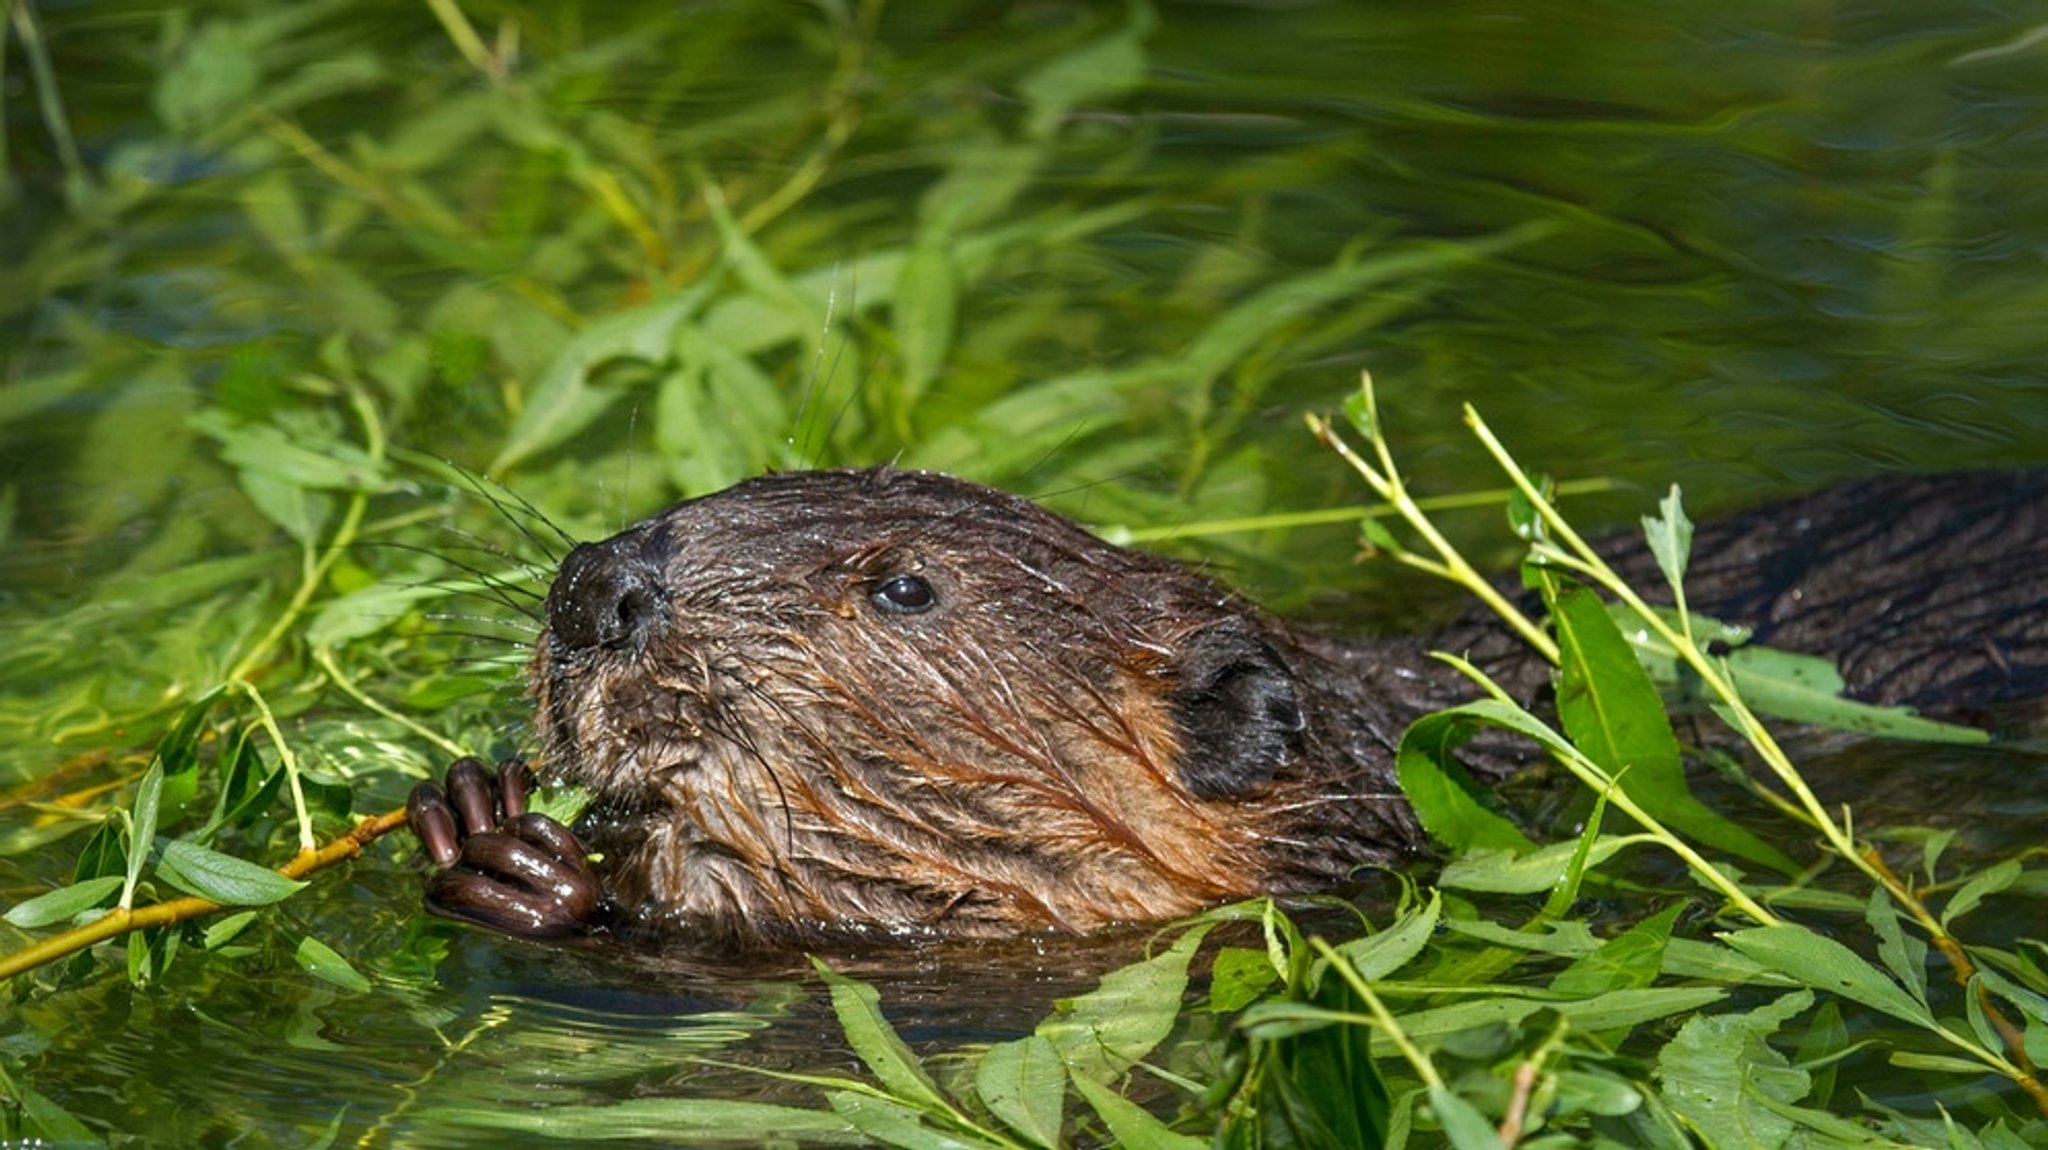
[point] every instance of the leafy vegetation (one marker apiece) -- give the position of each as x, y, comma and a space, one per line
326, 325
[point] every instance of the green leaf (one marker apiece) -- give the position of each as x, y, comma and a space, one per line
1024, 1084
669, 1121
566, 397
1632, 958
64, 903
1981, 886
1099, 70
1670, 539
1376, 956
1444, 797
142, 827
363, 613
1501, 872
1132, 1127
1614, 1010
1319, 1087
224, 930
1464, 1126
1824, 964
711, 385
1103, 1033
221, 878
1613, 714
1807, 689
925, 311
1902, 954
1717, 1067
1238, 977
859, 1010
319, 960
1943, 1063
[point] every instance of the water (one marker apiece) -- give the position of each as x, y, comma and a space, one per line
1771, 246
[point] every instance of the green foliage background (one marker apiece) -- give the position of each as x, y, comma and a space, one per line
267, 272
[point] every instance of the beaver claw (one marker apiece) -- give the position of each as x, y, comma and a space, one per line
500, 865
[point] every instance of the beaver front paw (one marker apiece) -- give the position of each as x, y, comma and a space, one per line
498, 864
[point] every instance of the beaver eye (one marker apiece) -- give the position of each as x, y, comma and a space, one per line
904, 595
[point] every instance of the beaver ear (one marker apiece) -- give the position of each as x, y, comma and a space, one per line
1237, 712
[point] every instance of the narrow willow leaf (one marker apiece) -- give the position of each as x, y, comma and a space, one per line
1824, 964
924, 314
859, 1010
1103, 1033
893, 1123
224, 930
1613, 714
1902, 954
1444, 797
1024, 1084
1807, 689
1670, 539
566, 398
1540, 870
64, 903
360, 614
1632, 958
1376, 956
1615, 1010
1981, 886
319, 960
221, 878
1559, 904
1943, 1063
1464, 1126
1131, 1126
1099, 70
668, 1121
142, 828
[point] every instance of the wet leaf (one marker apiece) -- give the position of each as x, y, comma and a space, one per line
1024, 1083
1463, 1124
1101, 1034
1902, 954
221, 878
674, 1121
1377, 956
319, 960
1670, 539
142, 827
1131, 1126
1824, 964
1981, 886
859, 1010
1445, 798
64, 903
1717, 1067
1632, 958
1502, 872
1237, 977
1614, 715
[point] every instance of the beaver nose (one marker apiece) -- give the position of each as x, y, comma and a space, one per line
607, 595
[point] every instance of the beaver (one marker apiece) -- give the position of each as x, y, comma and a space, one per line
896, 703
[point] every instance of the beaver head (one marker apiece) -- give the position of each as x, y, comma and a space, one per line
896, 701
